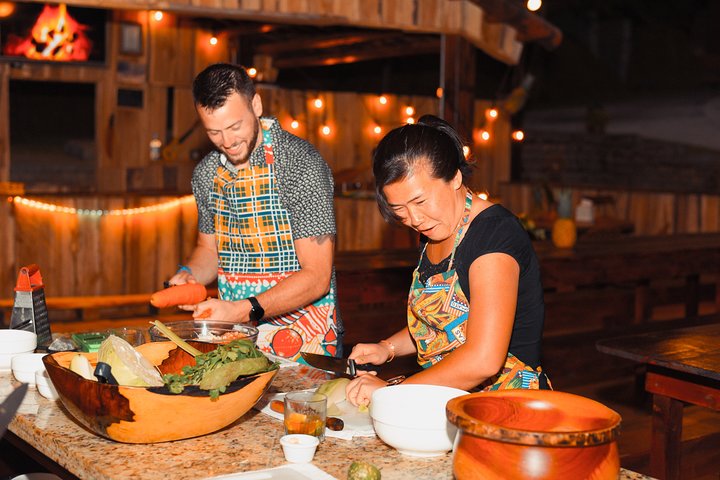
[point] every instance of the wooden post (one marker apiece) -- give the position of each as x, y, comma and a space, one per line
457, 80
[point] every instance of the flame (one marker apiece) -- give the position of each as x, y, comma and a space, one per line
55, 36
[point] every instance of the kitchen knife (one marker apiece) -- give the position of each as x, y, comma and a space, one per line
342, 367
10, 406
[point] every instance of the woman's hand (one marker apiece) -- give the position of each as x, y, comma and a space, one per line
360, 389
375, 353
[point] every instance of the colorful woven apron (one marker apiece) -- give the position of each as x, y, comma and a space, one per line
437, 317
256, 252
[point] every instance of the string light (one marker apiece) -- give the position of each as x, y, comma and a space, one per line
484, 135
466, 151
50, 207
382, 99
294, 124
483, 196
377, 129
439, 92
409, 110
410, 120
534, 5
252, 72
518, 135
325, 130
6, 9
318, 103
214, 40
158, 15
491, 113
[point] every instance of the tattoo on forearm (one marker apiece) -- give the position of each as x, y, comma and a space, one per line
320, 239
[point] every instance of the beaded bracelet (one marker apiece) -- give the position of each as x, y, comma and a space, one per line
184, 268
392, 350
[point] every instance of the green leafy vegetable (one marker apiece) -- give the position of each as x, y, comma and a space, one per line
215, 370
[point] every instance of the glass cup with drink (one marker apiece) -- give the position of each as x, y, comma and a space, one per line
305, 412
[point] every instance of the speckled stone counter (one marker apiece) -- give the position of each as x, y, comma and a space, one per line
251, 443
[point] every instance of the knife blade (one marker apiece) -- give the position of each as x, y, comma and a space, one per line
10, 406
342, 367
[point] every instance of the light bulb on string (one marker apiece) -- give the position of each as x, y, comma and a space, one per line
318, 103
377, 129
382, 100
439, 92
410, 110
213, 39
158, 15
294, 124
518, 135
466, 151
410, 120
534, 5
325, 130
491, 114
482, 136
252, 72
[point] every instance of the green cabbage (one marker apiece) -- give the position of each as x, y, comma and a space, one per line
335, 392
127, 365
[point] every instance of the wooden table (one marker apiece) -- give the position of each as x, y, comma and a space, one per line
683, 365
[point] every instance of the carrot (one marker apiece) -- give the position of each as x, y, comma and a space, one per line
277, 406
187, 294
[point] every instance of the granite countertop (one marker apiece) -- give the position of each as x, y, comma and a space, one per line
251, 443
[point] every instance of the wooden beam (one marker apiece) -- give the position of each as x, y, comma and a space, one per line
530, 27
370, 52
317, 42
457, 79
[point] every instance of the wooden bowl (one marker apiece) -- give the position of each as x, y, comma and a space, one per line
533, 434
152, 414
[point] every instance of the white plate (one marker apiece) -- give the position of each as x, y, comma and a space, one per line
357, 424
304, 471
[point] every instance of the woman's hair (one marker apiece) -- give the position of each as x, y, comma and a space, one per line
431, 142
212, 87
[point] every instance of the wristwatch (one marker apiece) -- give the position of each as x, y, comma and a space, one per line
257, 313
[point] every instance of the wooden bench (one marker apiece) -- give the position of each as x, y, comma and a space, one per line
85, 307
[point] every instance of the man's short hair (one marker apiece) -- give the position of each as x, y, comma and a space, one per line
212, 87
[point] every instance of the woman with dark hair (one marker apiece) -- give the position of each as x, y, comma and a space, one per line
475, 310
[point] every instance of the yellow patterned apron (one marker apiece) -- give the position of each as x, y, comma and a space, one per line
437, 317
256, 251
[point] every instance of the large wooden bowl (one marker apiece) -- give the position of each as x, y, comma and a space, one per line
533, 434
152, 414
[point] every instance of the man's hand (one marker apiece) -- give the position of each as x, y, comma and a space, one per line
221, 310
182, 277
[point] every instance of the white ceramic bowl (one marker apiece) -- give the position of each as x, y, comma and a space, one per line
44, 385
13, 342
24, 366
298, 447
412, 418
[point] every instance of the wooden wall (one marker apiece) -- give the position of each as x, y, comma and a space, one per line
90, 255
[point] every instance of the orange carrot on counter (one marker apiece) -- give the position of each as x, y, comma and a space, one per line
187, 294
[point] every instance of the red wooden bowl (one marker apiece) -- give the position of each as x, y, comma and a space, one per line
533, 434
152, 414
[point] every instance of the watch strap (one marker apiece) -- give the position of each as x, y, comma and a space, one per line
257, 312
